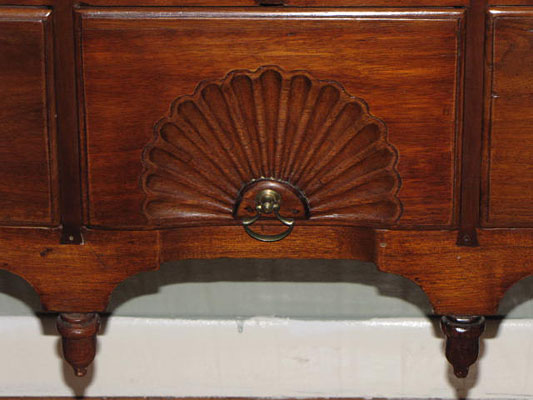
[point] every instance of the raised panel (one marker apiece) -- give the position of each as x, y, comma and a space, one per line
137, 62
28, 173
507, 198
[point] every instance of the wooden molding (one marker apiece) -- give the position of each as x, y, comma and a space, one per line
78, 332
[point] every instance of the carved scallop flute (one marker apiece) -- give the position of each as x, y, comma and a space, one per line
284, 143
266, 154
319, 151
270, 142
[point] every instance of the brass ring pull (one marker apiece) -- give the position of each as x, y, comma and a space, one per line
268, 201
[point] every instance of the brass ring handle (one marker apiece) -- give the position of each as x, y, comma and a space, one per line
268, 201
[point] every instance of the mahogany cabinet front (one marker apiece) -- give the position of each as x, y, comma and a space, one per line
136, 133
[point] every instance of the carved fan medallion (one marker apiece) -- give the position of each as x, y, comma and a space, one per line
286, 128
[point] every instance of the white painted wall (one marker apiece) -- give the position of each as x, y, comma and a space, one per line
302, 289
266, 357
334, 328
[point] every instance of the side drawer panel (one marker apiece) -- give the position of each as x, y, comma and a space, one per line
28, 173
405, 64
507, 196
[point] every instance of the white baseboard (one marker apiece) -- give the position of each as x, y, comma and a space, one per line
266, 357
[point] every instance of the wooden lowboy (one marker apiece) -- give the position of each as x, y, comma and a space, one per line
136, 132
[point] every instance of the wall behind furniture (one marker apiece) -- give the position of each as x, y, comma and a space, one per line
265, 328
219, 289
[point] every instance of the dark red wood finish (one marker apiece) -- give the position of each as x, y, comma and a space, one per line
462, 341
78, 332
28, 175
473, 113
415, 89
87, 83
507, 197
71, 212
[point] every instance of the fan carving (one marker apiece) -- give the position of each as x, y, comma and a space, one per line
287, 127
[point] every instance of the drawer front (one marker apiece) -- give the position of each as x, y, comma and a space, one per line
293, 3
403, 64
508, 155
28, 175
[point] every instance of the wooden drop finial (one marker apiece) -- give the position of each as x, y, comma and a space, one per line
462, 341
78, 331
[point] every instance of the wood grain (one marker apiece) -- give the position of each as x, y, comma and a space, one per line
284, 126
310, 242
472, 124
249, 3
76, 278
137, 61
257, 3
508, 153
78, 332
462, 341
109, 71
28, 168
510, 2
458, 280
67, 114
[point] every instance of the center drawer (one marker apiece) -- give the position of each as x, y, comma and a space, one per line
355, 110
